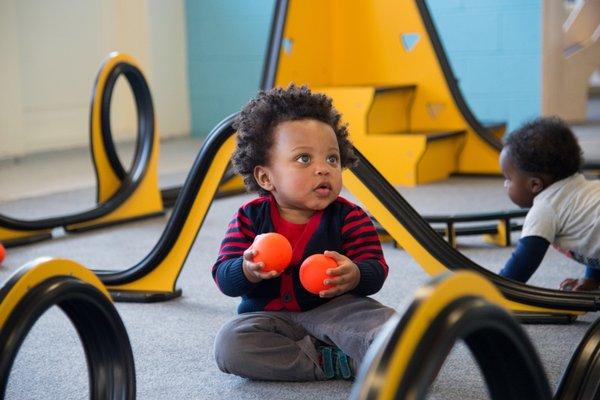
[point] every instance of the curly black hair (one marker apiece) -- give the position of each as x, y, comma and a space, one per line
256, 123
547, 146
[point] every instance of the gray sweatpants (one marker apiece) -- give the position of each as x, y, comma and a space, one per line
280, 345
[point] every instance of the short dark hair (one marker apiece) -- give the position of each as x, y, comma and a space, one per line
545, 145
257, 120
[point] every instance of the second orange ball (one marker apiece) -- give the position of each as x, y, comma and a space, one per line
313, 272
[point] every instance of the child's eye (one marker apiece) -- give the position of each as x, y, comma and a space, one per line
333, 159
303, 158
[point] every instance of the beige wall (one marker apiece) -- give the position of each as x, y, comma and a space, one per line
566, 75
51, 52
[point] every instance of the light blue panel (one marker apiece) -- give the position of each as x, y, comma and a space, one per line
446, 5
488, 109
494, 48
519, 109
521, 32
500, 5
477, 78
498, 74
524, 73
227, 41
480, 33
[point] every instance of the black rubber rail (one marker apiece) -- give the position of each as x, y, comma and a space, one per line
451, 219
453, 259
466, 217
143, 150
387, 195
498, 343
271, 61
181, 209
104, 338
581, 379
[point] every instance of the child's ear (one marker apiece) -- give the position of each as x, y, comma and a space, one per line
263, 178
536, 185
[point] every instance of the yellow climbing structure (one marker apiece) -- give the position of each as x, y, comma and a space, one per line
384, 67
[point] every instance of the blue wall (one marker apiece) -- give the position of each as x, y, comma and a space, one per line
494, 47
227, 40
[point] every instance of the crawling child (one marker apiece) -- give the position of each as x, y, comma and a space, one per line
541, 163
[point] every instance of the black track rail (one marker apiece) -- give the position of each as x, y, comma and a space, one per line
181, 209
420, 230
423, 233
479, 129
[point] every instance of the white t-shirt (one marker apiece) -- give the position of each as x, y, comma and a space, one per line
567, 214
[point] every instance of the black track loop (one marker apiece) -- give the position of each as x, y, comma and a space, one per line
139, 167
581, 379
101, 330
145, 115
501, 348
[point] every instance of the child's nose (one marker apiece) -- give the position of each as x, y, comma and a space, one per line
322, 169
506, 183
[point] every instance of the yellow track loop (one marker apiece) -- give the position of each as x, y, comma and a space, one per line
146, 199
432, 300
40, 270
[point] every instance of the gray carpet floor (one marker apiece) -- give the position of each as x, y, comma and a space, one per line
172, 342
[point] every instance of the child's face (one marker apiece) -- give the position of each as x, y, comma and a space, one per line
521, 186
304, 173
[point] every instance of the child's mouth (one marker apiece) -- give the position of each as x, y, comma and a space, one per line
323, 189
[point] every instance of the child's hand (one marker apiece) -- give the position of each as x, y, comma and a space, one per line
343, 278
252, 270
579, 285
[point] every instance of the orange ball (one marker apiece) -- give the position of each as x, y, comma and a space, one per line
313, 272
273, 250
2, 253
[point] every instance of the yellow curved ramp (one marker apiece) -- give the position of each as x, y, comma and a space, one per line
155, 277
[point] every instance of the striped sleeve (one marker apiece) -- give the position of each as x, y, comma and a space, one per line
227, 271
361, 244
